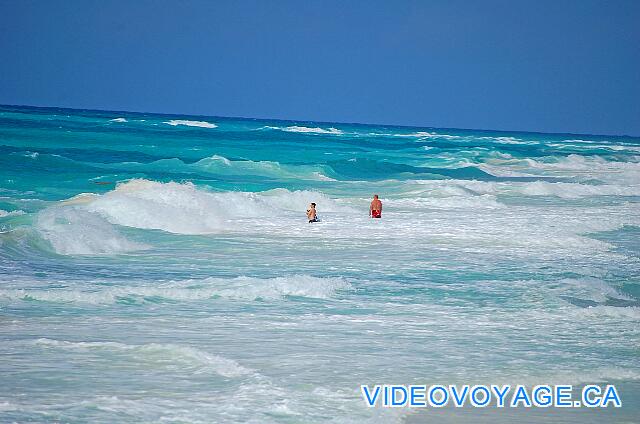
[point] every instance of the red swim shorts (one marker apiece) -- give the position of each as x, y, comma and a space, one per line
376, 214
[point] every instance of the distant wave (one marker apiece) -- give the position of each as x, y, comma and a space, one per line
315, 130
200, 124
573, 190
579, 140
506, 140
4, 213
215, 164
584, 145
118, 120
441, 192
434, 135
310, 130
364, 168
425, 134
576, 166
221, 165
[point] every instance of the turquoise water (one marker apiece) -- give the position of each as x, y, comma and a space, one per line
160, 268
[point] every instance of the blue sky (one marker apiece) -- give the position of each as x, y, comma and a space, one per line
550, 66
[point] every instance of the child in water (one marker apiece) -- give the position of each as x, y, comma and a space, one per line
311, 213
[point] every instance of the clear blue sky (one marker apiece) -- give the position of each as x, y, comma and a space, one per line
554, 66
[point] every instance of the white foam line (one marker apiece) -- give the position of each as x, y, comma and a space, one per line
200, 124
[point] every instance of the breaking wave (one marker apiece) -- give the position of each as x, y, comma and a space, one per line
241, 288
75, 231
200, 124
470, 188
86, 224
187, 209
426, 134
4, 213
161, 354
308, 130
574, 166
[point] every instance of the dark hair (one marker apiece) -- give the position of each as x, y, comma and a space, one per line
313, 204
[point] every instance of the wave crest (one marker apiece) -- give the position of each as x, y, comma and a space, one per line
161, 354
4, 213
574, 166
73, 231
187, 123
239, 288
86, 223
221, 165
187, 209
307, 130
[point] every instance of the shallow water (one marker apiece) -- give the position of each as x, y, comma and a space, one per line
158, 267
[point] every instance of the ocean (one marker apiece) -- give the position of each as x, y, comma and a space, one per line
160, 268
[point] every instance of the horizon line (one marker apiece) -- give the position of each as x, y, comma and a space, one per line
319, 122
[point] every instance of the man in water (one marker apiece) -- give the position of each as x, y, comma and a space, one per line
311, 213
375, 210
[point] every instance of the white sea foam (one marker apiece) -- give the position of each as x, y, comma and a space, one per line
590, 288
274, 288
299, 200
312, 130
74, 231
200, 124
463, 201
436, 135
4, 213
159, 353
579, 140
575, 166
118, 120
80, 199
574, 190
88, 224
482, 215
426, 134
242, 288
176, 208
186, 209
309, 130
506, 140
590, 147
172, 207
470, 188
321, 177
33, 155
600, 312
85, 224
557, 189
414, 134
8, 406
